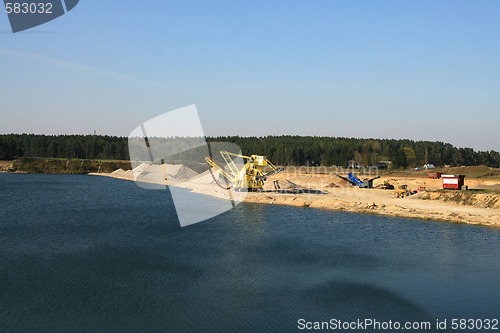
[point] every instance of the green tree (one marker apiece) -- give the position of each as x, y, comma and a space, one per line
410, 156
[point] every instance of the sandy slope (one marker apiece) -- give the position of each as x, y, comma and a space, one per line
5, 166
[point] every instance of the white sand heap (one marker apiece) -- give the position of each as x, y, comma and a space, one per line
165, 171
205, 177
118, 172
180, 171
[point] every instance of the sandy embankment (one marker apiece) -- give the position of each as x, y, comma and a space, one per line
327, 191
5, 166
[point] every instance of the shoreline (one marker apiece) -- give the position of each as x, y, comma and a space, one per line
356, 200
406, 208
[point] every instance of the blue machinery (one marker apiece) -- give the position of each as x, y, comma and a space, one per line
355, 181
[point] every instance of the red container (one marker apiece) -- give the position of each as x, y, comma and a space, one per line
453, 182
434, 175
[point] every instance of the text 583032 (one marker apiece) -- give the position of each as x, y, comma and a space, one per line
28, 8
474, 324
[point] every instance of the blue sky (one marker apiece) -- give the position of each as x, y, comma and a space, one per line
424, 70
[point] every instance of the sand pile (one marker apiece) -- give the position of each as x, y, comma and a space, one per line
283, 185
152, 172
205, 177
180, 171
118, 172
122, 174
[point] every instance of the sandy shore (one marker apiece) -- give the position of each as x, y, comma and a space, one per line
328, 192
380, 202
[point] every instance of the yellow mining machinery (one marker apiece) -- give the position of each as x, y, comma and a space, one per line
402, 191
250, 177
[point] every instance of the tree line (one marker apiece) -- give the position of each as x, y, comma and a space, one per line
14, 146
282, 150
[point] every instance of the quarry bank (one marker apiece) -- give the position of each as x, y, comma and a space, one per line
314, 188
303, 187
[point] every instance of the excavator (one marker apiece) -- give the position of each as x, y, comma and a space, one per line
250, 177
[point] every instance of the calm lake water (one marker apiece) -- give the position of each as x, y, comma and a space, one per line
92, 254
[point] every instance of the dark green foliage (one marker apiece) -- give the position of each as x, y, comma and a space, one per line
14, 146
328, 151
282, 150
